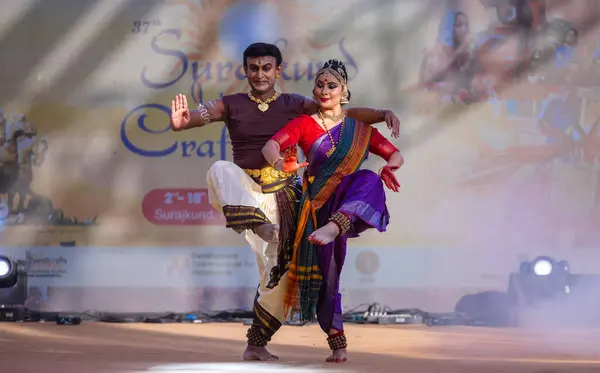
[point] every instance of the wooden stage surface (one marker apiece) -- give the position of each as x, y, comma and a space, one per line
190, 348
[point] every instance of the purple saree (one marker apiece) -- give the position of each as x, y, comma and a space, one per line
359, 195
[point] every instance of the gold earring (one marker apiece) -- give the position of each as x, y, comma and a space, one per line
344, 99
278, 76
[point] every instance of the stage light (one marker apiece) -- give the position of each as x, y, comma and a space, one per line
8, 272
13, 288
542, 278
5, 267
542, 266
545, 266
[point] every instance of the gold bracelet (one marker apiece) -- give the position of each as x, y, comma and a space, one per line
275, 162
380, 169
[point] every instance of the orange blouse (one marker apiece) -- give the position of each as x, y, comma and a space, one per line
304, 131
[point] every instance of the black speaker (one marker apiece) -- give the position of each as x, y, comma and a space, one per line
488, 308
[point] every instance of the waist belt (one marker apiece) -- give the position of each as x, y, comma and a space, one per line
270, 179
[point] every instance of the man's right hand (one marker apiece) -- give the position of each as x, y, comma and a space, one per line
180, 113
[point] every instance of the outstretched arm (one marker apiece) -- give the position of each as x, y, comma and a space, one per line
215, 110
183, 118
365, 115
383, 148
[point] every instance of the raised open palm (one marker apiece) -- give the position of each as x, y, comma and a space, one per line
180, 112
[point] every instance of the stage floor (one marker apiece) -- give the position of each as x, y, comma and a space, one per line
187, 348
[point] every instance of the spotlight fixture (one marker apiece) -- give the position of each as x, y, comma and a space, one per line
545, 266
13, 284
541, 278
542, 267
8, 272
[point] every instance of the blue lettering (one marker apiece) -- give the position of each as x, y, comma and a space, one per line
285, 76
206, 149
181, 57
308, 71
187, 147
142, 125
240, 73
221, 68
196, 92
203, 71
207, 71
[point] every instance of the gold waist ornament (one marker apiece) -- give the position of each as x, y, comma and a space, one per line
268, 175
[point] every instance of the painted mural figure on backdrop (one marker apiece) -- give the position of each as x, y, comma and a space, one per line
555, 53
9, 167
461, 68
536, 152
466, 68
21, 151
502, 53
256, 199
445, 67
523, 45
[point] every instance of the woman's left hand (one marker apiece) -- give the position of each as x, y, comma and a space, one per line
389, 179
393, 123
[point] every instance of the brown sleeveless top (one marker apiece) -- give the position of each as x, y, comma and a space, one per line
249, 128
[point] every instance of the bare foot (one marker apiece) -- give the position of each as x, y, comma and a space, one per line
268, 232
325, 234
338, 356
253, 353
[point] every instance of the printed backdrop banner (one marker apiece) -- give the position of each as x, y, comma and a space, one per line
225, 267
155, 279
500, 128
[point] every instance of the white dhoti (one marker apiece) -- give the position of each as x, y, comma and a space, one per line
229, 185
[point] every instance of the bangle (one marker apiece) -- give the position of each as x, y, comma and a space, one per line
204, 113
380, 169
275, 162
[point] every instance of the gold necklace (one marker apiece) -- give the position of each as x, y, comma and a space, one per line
333, 144
263, 105
334, 118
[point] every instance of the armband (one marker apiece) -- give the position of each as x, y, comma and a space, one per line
203, 113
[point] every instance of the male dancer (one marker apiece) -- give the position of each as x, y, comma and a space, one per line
255, 198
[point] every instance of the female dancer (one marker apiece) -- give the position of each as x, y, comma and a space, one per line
339, 200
